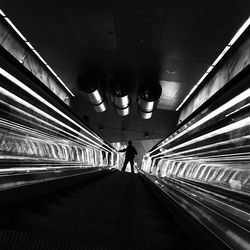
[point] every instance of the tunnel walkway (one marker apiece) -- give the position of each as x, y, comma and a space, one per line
117, 211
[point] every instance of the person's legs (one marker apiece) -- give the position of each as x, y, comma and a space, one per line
132, 165
125, 164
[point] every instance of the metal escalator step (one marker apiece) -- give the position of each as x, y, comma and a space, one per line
14, 240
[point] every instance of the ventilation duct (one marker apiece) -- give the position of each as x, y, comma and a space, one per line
90, 85
119, 89
148, 97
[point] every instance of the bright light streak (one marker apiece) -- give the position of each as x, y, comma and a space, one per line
241, 242
32, 48
29, 44
38, 55
28, 130
65, 86
210, 68
15, 28
2, 13
221, 55
239, 32
192, 90
34, 94
244, 95
240, 124
32, 107
237, 110
235, 141
51, 70
199, 157
196, 157
233, 40
20, 169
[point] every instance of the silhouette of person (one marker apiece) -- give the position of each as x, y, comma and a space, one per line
130, 153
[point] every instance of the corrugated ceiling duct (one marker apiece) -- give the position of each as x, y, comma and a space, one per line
90, 84
120, 89
148, 97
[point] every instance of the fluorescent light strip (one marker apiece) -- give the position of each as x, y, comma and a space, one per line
22, 169
199, 155
209, 69
38, 55
32, 107
237, 110
23, 128
240, 31
51, 70
11, 125
223, 130
237, 99
193, 89
236, 140
2, 13
60, 80
232, 154
15, 28
34, 94
29, 44
221, 55
219, 159
32, 48
233, 40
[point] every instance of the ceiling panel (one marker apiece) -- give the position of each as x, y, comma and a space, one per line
92, 28
187, 31
138, 35
87, 4
152, 8
198, 11
181, 50
138, 65
236, 15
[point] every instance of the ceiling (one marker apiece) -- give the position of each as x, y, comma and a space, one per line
173, 41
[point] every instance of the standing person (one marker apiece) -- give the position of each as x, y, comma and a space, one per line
130, 153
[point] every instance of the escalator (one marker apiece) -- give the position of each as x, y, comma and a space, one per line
116, 211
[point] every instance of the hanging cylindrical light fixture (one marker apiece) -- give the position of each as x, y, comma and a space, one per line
119, 89
147, 99
89, 83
